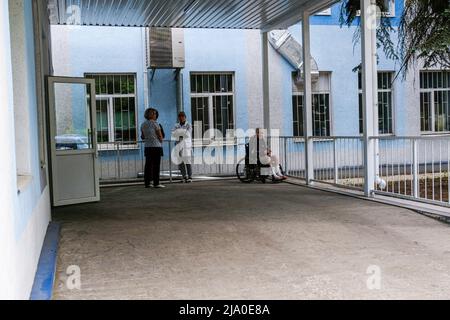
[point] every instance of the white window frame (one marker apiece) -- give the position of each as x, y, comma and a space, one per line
392, 91
210, 96
111, 144
328, 92
432, 91
330, 99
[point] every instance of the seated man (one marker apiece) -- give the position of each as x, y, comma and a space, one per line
262, 155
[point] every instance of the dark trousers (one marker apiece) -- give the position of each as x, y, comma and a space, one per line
186, 170
152, 165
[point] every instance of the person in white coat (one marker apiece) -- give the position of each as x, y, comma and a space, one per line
182, 134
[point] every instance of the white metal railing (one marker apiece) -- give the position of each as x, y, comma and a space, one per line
125, 161
339, 161
415, 168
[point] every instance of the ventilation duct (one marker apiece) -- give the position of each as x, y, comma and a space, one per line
166, 48
285, 44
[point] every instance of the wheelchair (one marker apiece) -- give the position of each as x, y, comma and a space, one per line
247, 172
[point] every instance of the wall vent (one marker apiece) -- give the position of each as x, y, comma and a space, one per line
166, 48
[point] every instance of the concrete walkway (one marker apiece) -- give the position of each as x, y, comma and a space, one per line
227, 240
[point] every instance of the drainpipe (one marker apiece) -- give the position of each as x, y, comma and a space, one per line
180, 102
145, 62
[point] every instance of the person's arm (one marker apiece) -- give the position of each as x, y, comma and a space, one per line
142, 133
162, 131
159, 134
189, 130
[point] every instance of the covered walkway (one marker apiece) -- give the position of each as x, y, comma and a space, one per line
227, 240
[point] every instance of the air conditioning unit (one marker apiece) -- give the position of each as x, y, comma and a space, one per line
165, 48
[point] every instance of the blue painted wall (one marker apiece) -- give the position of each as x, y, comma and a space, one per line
104, 49
215, 50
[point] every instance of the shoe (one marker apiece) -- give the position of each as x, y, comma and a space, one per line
189, 180
159, 186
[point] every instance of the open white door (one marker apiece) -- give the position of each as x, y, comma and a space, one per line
73, 139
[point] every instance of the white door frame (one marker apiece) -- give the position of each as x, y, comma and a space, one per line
59, 153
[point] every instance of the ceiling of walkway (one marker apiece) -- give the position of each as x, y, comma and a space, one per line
230, 14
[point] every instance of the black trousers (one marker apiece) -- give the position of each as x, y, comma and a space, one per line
152, 165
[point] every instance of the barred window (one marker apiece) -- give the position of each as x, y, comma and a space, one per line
116, 107
434, 101
320, 106
385, 103
212, 102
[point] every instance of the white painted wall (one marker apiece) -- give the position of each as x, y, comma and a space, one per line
7, 159
24, 215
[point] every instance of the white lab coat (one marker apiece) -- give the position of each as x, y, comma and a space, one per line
183, 134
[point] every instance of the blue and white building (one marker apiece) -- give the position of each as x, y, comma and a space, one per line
51, 68
234, 56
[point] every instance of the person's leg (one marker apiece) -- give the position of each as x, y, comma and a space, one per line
182, 167
189, 170
275, 173
156, 165
147, 169
188, 161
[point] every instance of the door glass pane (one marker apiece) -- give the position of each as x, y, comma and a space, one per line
73, 117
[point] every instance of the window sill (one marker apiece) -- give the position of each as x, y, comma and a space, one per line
298, 140
23, 182
440, 133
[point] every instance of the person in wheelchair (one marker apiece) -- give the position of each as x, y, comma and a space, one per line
277, 171
262, 156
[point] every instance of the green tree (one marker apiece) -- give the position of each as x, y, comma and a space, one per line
423, 32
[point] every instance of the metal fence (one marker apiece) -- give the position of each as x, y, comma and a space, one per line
125, 162
408, 167
414, 168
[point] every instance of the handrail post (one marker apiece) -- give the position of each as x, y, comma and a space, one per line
415, 170
118, 160
170, 162
285, 155
335, 162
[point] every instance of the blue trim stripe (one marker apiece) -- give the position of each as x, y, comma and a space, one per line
45, 275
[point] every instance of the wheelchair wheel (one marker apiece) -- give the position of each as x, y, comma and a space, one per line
244, 173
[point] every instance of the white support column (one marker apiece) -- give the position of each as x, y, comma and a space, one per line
369, 85
265, 80
307, 100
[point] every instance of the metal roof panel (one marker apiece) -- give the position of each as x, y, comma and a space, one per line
230, 14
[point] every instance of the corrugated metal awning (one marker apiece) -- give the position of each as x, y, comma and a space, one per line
229, 14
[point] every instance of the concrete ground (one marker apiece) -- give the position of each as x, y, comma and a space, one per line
227, 240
